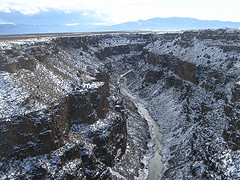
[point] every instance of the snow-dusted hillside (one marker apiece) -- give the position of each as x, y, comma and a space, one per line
62, 115
189, 82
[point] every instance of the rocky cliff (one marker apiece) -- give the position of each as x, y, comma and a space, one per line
189, 82
62, 115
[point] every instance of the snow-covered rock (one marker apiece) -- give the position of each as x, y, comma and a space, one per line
62, 115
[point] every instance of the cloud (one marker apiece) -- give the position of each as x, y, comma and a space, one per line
84, 13
73, 24
116, 11
5, 22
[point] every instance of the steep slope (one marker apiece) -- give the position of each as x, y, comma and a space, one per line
62, 115
189, 82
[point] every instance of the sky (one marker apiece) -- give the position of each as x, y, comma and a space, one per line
118, 11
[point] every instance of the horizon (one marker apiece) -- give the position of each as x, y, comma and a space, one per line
60, 23
116, 12
51, 16
110, 24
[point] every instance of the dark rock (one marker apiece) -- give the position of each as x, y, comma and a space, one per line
64, 130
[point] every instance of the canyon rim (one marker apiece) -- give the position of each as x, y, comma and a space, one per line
63, 116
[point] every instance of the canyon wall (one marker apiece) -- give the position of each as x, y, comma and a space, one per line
62, 115
189, 82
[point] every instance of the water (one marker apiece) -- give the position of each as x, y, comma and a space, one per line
155, 165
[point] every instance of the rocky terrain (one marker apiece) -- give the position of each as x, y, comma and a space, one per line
62, 115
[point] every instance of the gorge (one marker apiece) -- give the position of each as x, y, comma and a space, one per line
63, 114
155, 164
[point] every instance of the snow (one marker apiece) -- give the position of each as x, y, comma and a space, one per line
6, 44
72, 69
117, 174
13, 97
92, 85
197, 52
167, 108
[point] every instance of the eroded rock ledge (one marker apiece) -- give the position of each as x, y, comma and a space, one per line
62, 116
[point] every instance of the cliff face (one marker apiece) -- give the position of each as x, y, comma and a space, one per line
48, 98
62, 116
189, 82
34, 133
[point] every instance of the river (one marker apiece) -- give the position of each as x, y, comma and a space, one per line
155, 165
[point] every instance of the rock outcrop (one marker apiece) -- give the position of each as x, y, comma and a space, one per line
190, 85
55, 112
62, 115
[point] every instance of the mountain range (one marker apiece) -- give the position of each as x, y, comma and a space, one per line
174, 23
58, 21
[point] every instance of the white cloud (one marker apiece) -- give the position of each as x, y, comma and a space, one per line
84, 13
74, 24
5, 22
117, 11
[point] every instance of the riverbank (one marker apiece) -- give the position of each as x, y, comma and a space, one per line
155, 165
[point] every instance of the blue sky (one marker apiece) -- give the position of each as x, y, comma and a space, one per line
118, 11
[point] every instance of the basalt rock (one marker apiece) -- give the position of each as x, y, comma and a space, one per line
44, 121
195, 101
34, 133
63, 117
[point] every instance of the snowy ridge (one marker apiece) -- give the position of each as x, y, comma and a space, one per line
190, 100
72, 122
189, 81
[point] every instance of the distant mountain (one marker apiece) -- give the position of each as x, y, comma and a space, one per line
173, 23
48, 22
58, 21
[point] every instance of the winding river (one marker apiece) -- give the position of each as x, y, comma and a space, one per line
155, 165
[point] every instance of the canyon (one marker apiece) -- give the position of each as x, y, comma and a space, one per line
63, 114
